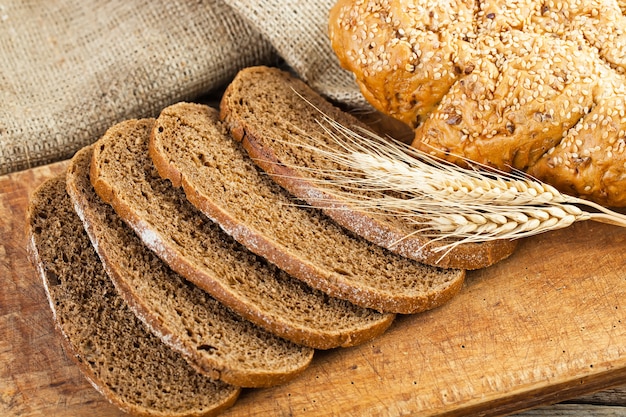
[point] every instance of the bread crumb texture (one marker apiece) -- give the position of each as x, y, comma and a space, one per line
534, 86
298, 239
209, 335
204, 254
287, 147
118, 355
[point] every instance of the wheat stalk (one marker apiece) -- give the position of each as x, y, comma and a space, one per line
474, 204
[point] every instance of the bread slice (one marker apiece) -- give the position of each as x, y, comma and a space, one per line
113, 349
212, 338
265, 108
191, 147
196, 248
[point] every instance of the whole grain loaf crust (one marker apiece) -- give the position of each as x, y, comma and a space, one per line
124, 361
534, 86
191, 147
274, 113
211, 337
191, 244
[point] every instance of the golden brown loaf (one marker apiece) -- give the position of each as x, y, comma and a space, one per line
535, 86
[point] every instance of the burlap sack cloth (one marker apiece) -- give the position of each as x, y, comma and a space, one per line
70, 69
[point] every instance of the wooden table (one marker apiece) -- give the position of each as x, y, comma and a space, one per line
542, 327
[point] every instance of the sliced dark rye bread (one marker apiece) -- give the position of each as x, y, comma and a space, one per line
191, 147
195, 247
210, 336
265, 108
124, 361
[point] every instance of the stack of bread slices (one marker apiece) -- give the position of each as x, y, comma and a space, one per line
184, 258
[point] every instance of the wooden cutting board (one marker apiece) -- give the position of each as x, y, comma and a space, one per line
547, 324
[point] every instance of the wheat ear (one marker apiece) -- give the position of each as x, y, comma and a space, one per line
474, 204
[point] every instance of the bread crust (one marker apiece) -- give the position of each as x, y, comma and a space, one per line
527, 85
393, 236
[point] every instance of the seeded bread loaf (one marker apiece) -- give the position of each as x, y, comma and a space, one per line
534, 86
191, 147
124, 176
122, 359
265, 108
212, 338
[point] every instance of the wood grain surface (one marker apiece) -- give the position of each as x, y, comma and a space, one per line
544, 326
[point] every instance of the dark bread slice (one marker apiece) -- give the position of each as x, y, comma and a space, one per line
191, 147
116, 353
212, 338
264, 108
196, 248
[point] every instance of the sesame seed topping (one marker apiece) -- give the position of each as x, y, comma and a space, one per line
539, 75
